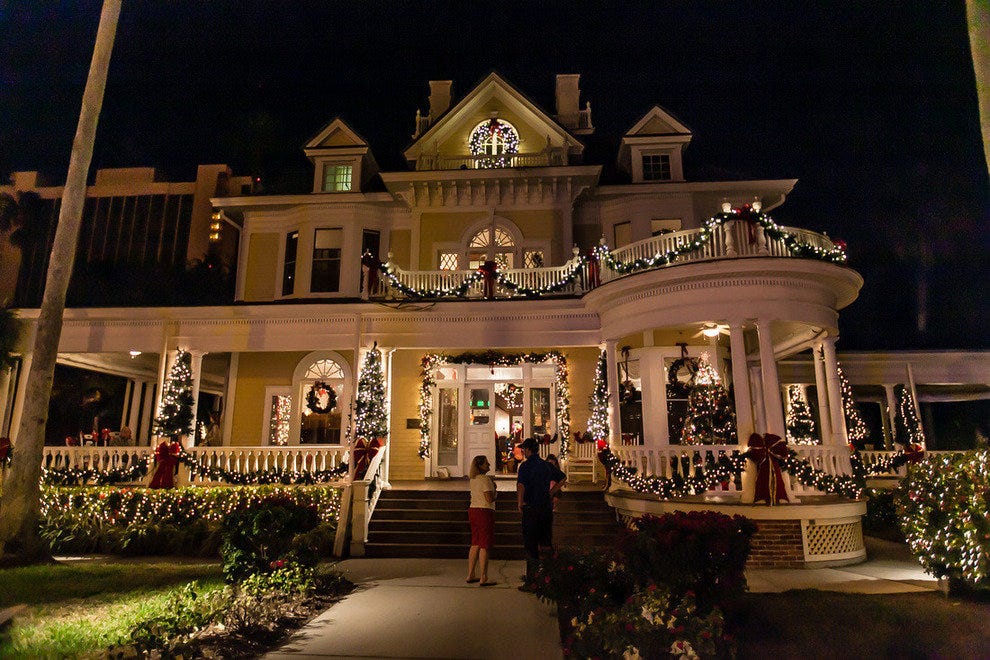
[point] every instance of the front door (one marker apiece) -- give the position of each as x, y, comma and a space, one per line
480, 435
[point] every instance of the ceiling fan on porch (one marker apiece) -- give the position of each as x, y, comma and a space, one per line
712, 331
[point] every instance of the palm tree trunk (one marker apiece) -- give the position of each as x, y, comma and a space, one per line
20, 504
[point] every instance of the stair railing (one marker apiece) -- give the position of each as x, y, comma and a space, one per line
364, 497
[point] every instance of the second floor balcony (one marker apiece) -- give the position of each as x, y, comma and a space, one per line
552, 157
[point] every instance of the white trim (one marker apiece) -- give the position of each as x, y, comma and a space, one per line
299, 380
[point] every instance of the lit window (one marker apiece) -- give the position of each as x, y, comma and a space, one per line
326, 261
493, 141
337, 178
656, 167
449, 261
323, 370
533, 259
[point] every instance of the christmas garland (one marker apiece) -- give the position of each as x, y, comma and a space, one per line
431, 361
141, 467
316, 392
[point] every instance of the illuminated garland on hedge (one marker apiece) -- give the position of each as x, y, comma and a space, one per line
603, 253
140, 468
431, 361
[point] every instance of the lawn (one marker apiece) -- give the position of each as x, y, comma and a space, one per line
82, 606
820, 624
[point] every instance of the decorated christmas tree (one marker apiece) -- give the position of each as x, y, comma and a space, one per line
909, 429
710, 418
370, 413
800, 423
856, 429
598, 420
175, 413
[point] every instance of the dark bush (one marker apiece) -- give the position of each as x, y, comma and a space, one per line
881, 515
580, 580
256, 537
700, 551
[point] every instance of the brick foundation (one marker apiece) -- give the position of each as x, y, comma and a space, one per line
777, 544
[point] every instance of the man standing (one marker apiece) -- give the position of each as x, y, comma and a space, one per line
534, 498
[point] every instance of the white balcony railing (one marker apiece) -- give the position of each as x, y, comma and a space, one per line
553, 157
731, 240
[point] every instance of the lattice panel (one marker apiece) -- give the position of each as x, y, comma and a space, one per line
834, 539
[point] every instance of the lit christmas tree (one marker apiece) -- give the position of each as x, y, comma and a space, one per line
856, 429
598, 421
370, 413
800, 423
909, 427
175, 413
710, 418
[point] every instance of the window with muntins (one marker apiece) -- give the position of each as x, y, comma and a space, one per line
289, 269
656, 167
337, 178
326, 261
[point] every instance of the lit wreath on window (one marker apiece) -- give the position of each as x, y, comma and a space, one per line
321, 398
493, 142
680, 376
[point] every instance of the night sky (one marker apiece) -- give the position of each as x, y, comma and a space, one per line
871, 105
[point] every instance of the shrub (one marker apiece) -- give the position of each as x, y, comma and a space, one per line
257, 538
189, 611
581, 580
138, 521
700, 551
944, 510
650, 624
881, 514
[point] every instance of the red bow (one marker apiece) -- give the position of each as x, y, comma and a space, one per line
373, 264
768, 452
747, 214
364, 451
594, 270
914, 453
488, 270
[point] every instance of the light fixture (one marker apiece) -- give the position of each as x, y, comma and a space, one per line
726, 206
134, 354
757, 204
711, 331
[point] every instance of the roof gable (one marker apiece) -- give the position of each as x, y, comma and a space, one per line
494, 95
336, 134
658, 122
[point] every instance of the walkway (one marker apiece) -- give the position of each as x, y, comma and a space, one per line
421, 608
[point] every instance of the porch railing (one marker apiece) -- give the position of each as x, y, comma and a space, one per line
872, 457
545, 158
251, 459
732, 239
364, 494
94, 458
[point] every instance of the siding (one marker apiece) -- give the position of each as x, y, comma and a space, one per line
262, 262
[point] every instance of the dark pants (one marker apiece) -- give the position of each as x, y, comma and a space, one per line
537, 530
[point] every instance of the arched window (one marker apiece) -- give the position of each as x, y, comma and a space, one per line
494, 141
320, 386
491, 244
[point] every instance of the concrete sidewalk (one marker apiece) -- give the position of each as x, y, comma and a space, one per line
421, 608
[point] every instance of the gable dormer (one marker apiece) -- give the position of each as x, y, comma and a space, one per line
652, 150
342, 160
494, 126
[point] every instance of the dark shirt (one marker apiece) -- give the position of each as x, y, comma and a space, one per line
535, 474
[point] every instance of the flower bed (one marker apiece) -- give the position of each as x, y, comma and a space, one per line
138, 521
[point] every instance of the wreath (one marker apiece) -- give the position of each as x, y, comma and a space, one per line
681, 374
321, 398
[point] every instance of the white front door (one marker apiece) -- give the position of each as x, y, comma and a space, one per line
480, 436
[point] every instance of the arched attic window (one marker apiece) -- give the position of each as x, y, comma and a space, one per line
491, 244
493, 142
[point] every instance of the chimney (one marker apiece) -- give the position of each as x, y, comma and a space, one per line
439, 98
568, 93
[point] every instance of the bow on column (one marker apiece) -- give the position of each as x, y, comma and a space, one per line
373, 264
364, 451
768, 452
914, 453
746, 213
488, 270
594, 269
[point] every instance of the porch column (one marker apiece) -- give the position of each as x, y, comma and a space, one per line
654, 378
15, 418
4, 394
164, 362
230, 388
143, 432
614, 432
821, 391
917, 404
772, 405
197, 373
890, 417
740, 383
838, 417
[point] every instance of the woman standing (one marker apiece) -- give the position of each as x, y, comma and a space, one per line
481, 515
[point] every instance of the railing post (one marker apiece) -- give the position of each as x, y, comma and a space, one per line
359, 517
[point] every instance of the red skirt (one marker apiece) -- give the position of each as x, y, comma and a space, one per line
482, 527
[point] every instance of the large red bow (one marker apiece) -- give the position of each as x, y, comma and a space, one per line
488, 270
594, 270
914, 453
373, 264
364, 451
768, 452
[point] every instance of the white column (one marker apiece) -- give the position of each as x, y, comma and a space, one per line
740, 383
890, 416
165, 359
125, 411
772, 405
143, 432
19, 395
917, 401
837, 413
614, 433
230, 388
821, 391
197, 373
4, 394
653, 378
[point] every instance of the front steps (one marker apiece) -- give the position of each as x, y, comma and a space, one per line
434, 524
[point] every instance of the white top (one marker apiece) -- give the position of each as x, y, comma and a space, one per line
479, 486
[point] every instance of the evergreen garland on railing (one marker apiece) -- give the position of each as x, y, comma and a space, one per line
454, 291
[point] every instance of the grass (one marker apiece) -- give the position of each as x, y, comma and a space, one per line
819, 624
86, 606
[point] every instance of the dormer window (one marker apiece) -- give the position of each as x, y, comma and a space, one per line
493, 142
337, 177
656, 167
